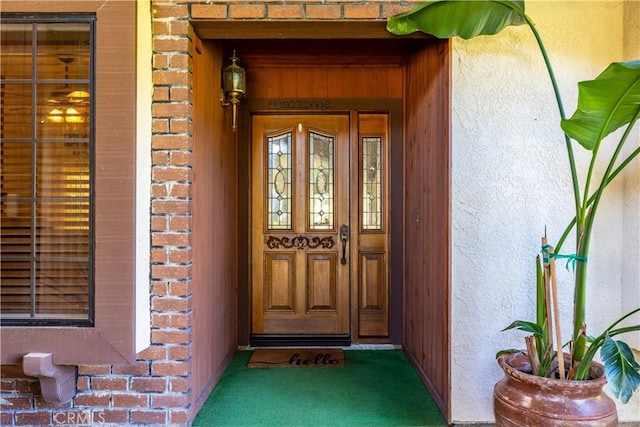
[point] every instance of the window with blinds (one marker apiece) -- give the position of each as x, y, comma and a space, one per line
46, 157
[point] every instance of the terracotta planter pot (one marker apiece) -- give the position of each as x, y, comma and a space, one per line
521, 399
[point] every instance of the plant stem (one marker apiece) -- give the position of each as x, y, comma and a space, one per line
583, 230
605, 178
584, 238
613, 174
629, 314
596, 148
624, 330
580, 297
582, 371
556, 92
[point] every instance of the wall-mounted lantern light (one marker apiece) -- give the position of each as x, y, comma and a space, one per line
233, 86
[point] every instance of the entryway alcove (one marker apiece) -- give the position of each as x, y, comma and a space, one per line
315, 84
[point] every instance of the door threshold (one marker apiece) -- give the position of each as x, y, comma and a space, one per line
300, 340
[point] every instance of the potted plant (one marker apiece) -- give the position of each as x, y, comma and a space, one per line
609, 102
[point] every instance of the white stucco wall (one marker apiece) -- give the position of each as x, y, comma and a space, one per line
511, 179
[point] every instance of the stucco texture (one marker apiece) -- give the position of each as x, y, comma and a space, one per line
511, 180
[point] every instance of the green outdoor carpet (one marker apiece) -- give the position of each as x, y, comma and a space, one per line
376, 388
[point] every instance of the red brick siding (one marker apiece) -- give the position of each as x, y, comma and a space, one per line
299, 10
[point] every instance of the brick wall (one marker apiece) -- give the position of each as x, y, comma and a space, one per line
157, 388
154, 390
312, 10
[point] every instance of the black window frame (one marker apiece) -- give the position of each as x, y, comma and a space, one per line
60, 18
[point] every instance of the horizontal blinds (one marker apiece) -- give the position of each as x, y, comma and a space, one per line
45, 229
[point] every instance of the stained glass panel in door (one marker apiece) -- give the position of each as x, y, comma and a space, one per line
321, 182
279, 174
371, 183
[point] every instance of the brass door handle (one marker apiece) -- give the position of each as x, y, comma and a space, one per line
344, 237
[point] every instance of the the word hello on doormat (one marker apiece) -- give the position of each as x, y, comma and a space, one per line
297, 358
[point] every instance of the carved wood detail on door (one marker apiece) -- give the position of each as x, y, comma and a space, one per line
300, 242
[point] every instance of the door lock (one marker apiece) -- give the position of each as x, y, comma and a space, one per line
344, 237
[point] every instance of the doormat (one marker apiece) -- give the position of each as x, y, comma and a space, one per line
297, 358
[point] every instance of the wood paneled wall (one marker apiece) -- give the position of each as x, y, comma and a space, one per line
324, 69
325, 82
427, 218
214, 226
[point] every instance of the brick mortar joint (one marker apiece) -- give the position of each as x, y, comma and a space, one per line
157, 36
172, 167
173, 264
167, 233
173, 18
165, 296
179, 70
169, 185
170, 313
169, 101
169, 216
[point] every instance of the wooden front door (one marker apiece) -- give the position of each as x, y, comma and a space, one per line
320, 226
300, 220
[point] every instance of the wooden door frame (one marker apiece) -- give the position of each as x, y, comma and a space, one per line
392, 106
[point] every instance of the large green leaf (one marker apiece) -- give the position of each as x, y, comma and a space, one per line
446, 18
621, 368
605, 104
526, 326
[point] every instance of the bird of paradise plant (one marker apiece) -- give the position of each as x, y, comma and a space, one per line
609, 102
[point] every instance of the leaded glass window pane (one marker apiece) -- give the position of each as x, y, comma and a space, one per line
371, 183
321, 182
279, 176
